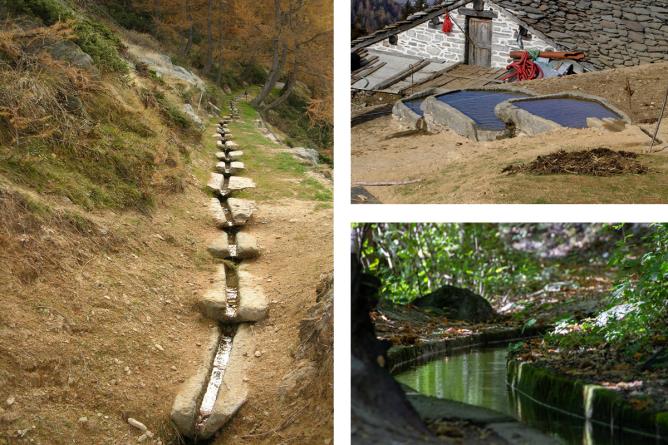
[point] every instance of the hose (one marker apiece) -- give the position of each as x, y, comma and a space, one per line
523, 69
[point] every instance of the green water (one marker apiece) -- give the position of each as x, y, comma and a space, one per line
479, 378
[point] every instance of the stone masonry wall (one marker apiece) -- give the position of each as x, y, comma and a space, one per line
431, 43
611, 32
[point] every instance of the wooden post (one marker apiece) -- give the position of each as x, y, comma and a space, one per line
479, 5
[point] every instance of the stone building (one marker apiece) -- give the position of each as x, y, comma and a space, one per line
611, 33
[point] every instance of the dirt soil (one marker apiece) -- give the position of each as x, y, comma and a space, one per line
596, 162
452, 169
297, 247
98, 320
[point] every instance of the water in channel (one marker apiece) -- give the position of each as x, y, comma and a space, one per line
479, 378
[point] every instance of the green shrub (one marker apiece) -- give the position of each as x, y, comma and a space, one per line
101, 44
93, 37
50, 11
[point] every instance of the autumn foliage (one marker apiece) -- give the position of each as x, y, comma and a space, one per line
291, 40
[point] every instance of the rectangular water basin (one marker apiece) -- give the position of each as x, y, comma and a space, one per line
415, 105
479, 106
567, 112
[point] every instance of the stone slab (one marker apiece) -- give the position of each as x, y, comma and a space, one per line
221, 156
247, 246
220, 247
235, 155
217, 213
214, 304
253, 303
215, 182
241, 210
240, 183
233, 392
186, 404
237, 167
231, 145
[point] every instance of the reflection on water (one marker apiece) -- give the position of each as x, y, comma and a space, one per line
479, 378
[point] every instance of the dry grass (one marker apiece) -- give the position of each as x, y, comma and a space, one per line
69, 132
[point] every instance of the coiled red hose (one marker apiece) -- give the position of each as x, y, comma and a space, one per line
523, 69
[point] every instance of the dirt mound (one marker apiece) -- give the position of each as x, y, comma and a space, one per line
597, 162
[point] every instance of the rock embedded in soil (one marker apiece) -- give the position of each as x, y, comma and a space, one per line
215, 182
186, 404
220, 247
233, 390
137, 424
240, 183
235, 155
247, 246
456, 303
231, 145
236, 167
253, 304
216, 210
241, 210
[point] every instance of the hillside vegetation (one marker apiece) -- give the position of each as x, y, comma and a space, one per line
105, 147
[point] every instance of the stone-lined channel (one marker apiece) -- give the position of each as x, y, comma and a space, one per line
479, 377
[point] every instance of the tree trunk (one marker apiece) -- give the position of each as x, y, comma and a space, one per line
286, 92
280, 54
189, 41
278, 59
220, 43
209, 38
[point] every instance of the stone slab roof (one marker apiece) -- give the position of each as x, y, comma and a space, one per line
611, 32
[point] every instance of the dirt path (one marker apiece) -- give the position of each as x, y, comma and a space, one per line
296, 239
100, 323
454, 169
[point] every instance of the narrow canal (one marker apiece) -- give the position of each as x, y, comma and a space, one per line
479, 378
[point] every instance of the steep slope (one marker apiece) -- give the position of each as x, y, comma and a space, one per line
104, 226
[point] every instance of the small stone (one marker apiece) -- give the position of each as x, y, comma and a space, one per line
258, 354
173, 368
83, 419
137, 424
10, 400
159, 347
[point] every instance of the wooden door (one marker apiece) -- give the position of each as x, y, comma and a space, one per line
479, 41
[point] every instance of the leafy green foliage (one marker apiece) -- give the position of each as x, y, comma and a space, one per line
638, 313
415, 259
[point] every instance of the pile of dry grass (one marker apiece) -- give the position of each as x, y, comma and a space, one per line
597, 162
